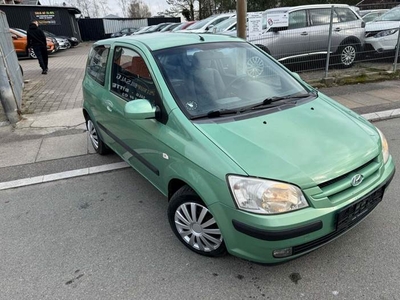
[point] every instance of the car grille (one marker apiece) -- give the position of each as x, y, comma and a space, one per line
335, 189
345, 219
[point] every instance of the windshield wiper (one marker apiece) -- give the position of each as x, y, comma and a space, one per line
286, 99
217, 113
267, 103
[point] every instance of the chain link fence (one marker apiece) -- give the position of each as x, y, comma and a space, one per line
11, 81
332, 39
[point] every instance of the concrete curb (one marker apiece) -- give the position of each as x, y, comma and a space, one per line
382, 115
63, 175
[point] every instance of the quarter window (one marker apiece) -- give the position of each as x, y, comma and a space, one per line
130, 78
345, 14
97, 62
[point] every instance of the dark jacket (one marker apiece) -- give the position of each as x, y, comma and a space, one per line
35, 36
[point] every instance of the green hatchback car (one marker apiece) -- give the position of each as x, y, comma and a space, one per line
253, 161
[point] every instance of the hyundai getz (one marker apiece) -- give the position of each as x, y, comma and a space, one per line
252, 160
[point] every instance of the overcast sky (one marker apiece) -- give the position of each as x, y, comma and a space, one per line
154, 5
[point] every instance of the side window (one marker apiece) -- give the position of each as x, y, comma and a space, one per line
130, 77
346, 14
217, 21
297, 19
97, 62
322, 16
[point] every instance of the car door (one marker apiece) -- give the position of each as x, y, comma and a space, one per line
319, 29
137, 141
292, 41
94, 86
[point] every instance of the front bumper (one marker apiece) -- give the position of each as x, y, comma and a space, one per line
382, 44
256, 237
64, 45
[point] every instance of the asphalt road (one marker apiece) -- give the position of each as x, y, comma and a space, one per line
106, 236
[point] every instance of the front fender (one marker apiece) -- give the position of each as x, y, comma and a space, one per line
210, 188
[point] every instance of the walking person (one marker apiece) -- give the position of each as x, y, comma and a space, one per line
37, 41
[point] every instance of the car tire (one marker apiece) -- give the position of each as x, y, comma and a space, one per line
347, 55
193, 223
31, 53
98, 145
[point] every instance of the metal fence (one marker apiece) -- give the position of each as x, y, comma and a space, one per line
332, 39
11, 81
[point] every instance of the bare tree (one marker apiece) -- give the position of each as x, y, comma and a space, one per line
138, 9
185, 7
91, 8
124, 6
84, 7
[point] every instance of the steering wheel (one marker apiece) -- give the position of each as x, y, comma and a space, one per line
234, 86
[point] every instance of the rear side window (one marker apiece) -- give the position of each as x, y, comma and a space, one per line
97, 62
297, 19
322, 16
346, 14
130, 77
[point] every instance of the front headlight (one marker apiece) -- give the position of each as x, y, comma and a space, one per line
263, 196
385, 33
385, 147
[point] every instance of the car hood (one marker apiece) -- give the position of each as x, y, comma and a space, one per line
381, 25
305, 145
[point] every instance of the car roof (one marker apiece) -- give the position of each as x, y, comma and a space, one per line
157, 41
311, 6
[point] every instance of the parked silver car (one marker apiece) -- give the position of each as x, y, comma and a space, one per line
206, 24
383, 32
306, 33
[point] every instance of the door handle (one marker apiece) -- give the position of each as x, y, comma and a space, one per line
304, 33
338, 29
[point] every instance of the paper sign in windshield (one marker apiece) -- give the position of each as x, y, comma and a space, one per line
277, 20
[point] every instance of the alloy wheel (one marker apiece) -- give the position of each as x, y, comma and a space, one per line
197, 227
348, 55
94, 138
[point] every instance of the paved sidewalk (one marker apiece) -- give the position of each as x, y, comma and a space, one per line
53, 126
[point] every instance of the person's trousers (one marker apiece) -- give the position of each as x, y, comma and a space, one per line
42, 56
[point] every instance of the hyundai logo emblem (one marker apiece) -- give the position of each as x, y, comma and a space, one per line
357, 179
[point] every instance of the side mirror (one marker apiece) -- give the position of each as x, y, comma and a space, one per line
140, 109
297, 76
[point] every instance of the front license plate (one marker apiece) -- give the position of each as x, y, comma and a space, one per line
352, 214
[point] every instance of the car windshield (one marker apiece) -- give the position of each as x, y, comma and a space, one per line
49, 33
201, 24
20, 31
212, 79
223, 25
179, 27
391, 15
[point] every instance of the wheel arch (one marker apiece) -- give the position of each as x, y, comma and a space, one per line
207, 188
350, 40
174, 185
88, 116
